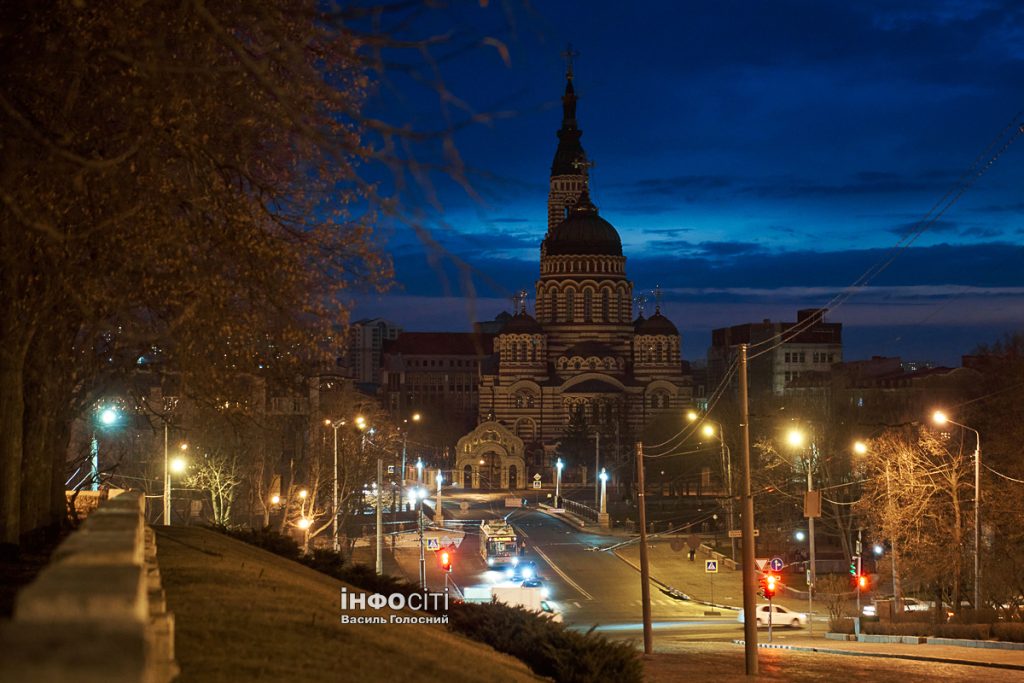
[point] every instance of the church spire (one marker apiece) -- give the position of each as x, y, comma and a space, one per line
569, 148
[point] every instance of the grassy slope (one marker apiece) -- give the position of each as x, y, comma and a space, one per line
244, 614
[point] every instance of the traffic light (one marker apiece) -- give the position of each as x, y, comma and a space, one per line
853, 568
771, 585
862, 582
446, 560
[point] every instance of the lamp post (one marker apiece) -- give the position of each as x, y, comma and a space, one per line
438, 515
796, 439
940, 418
416, 496
597, 462
335, 425
558, 483
175, 466
108, 417
419, 470
860, 448
602, 516
709, 430
405, 442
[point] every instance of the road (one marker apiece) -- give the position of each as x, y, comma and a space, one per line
591, 587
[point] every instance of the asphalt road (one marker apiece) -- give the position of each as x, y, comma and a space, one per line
590, 587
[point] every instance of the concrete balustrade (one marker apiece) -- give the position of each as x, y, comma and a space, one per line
97, 611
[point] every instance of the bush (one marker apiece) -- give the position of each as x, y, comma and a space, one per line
1013, 632
967, 631
840, 625
546, 646
975, 616
271, 541
903, 628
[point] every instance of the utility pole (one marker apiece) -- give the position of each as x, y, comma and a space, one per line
380, 529
749, 580
597, 466
810, 541
334, 525
438, 514
645, 568
422, 493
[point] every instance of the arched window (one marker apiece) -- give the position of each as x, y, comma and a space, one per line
588, 306
570, 305
604, 306
553, 313
623, 307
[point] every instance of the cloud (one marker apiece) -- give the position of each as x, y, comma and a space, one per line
939, 226
509, 220
979, 231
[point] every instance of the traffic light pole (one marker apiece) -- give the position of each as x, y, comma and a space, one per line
423, 561
749, 579
810, 538
380, 528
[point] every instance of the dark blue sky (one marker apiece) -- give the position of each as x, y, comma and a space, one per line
756, 158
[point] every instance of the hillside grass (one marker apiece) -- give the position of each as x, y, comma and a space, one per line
242, 613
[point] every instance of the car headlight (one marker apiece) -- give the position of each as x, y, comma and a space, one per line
527, 573
509, 573
545, 593
515, 561
490, 561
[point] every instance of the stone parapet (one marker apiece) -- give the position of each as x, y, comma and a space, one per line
97, 611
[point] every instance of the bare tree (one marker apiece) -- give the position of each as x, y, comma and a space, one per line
915, 498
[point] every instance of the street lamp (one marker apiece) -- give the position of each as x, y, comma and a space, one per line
941, 418
604, 492
796, 439
438, 516
419, 470
107, 417
861, 448
176, 465
335, 425
708, 429
417, 495
558, 483
405, 441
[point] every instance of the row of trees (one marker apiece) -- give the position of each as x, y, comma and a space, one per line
190, 182
910, 487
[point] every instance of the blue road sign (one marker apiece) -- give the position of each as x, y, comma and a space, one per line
710, 566
776, 564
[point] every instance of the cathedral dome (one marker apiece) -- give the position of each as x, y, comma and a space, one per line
583, 232
655, 325
522, 323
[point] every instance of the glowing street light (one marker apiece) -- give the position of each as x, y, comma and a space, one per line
109, 416
558, 483
275, 499
860, 448
800, 536
604, 492
795, 438
304, 523
940, 418
303, 494
692, 415
178, 465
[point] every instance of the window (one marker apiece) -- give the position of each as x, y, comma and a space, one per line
570, 305
787, 359
588, 306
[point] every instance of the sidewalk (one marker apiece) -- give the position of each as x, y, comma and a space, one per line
949, 654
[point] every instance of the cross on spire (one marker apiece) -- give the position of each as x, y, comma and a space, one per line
569, 54
585, 164
640, 301
657, 298
519, 301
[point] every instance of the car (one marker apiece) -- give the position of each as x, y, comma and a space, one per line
523, 571
780, 616
537, 583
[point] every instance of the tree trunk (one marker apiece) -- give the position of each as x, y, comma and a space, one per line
12, 412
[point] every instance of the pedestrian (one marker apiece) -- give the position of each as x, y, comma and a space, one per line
693, 553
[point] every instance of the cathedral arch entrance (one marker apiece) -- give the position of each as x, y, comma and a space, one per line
492, 457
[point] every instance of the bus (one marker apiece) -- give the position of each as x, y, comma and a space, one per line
498, 543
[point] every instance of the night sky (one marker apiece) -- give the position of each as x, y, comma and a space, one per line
756, 158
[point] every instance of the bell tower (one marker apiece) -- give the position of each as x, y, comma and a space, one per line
569, 167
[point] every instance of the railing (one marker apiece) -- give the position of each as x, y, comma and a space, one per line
579, 509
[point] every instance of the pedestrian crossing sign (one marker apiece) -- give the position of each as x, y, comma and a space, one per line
710, 566
433, 544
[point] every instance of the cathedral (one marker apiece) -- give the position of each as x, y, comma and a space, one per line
581, 362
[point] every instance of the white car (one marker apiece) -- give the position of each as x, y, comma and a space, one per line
780, 616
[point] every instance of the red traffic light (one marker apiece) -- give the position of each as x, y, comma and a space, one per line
446, 560
771, 585
862, 582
